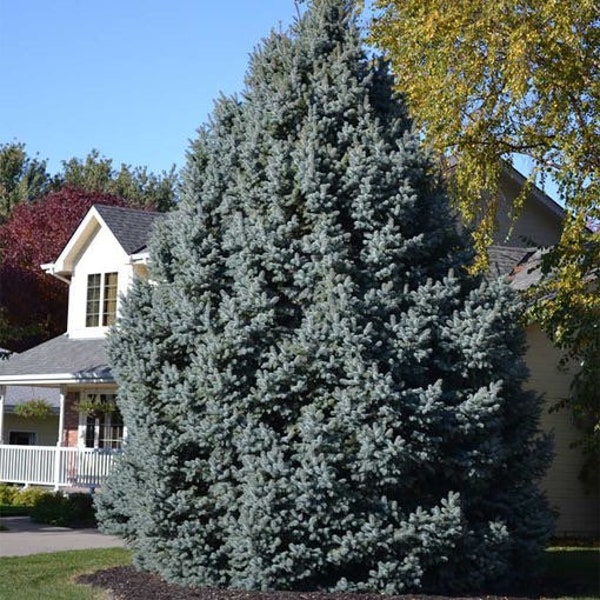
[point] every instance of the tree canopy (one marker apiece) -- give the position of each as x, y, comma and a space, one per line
22, 177
317, 393
139, 187
486, 81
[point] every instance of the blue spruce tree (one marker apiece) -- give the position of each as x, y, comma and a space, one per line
317, 394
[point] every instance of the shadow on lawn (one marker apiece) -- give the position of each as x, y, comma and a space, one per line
574, 574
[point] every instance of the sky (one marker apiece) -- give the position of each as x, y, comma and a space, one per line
133, 79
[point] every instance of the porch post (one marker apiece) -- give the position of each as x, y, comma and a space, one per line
2, 396
61, 416
59, 443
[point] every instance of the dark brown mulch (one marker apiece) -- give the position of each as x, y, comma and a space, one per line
126, 583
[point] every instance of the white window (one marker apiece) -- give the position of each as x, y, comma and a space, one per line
101, 304
103, 426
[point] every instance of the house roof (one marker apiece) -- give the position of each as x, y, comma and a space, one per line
522, 265
503, 259
59, 360
528, 271
130, 226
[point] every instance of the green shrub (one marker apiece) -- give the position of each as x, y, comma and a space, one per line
50, 509
7, 494
29, 496
64, 510
81, 510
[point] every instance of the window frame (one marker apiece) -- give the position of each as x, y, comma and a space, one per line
101, 299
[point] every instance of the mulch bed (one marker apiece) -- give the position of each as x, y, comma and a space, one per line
126, 583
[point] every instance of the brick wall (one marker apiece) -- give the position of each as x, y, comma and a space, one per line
71, 433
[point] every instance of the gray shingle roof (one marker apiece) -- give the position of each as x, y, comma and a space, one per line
503, 259
130, 226
528, 272
82, 359
522, 265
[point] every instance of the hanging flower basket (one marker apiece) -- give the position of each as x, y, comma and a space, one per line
34, 409
94, 406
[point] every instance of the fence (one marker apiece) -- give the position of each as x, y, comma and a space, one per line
55, 466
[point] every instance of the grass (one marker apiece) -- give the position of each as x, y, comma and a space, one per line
580, 565
50, 576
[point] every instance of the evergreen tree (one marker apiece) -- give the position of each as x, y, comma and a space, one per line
317, 394
140, 187
22, 177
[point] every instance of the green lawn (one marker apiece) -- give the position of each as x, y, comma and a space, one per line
49, 576
579, 566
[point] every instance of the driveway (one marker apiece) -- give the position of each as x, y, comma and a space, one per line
24, 537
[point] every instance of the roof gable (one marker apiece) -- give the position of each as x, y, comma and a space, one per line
129, 227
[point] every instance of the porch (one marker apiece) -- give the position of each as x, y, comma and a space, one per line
56, 466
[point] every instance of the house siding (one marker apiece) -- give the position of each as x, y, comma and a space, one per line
46, 429
578, 511
101, 254
537, 225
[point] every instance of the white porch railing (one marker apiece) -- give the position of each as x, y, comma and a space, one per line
55, 466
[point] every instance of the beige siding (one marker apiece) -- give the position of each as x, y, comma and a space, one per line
46, 429
537, 224
578, 512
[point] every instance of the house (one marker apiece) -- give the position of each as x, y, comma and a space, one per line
516, 253
99, 262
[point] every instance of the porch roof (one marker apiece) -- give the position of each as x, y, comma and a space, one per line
60, 360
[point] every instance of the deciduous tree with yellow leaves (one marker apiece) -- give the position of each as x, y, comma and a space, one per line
487, 81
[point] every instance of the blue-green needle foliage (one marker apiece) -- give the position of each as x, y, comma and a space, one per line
317, 394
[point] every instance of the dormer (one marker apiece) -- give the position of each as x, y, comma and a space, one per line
99, 262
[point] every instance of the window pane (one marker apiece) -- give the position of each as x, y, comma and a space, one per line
21, 438
110, 299
92, 313
90, 431
105, 428
111, 432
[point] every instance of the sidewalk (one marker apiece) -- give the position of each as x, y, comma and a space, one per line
24, 537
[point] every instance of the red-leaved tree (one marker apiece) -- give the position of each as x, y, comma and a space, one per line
33, 304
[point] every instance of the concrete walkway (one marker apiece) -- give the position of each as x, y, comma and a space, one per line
24, 537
